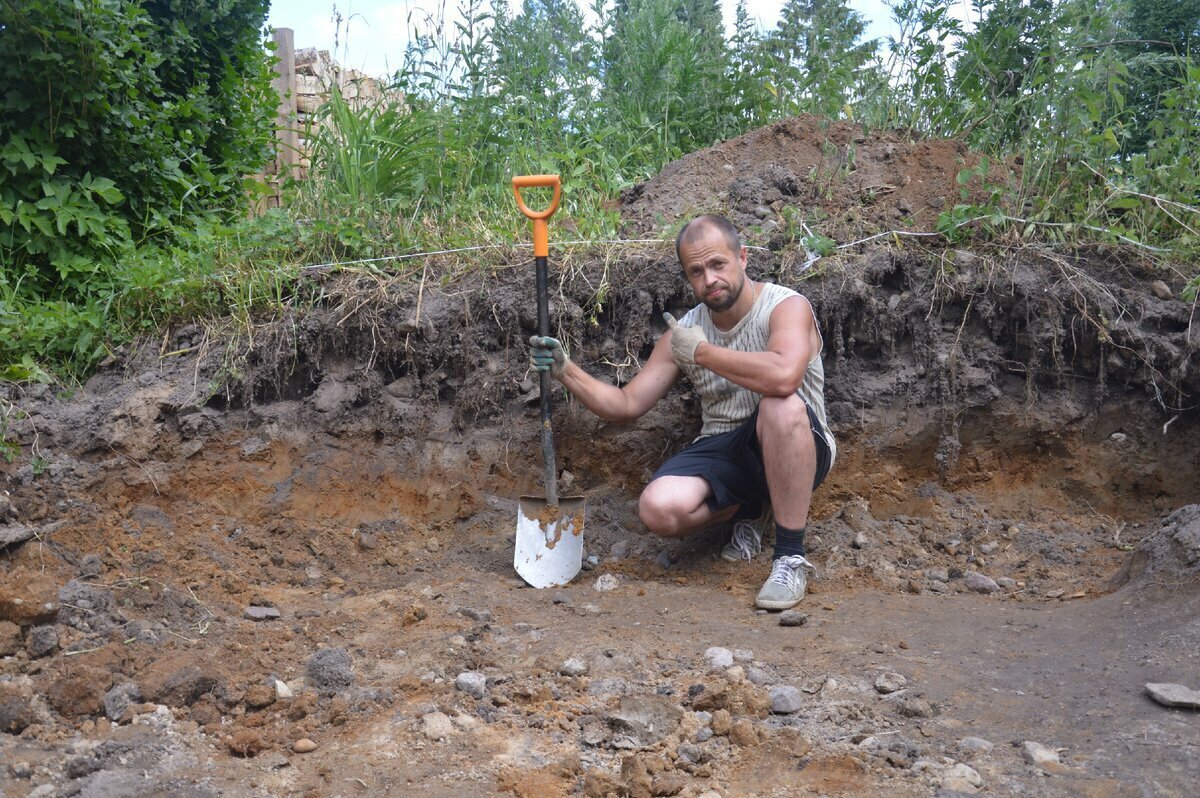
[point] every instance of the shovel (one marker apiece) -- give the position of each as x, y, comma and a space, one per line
549, 549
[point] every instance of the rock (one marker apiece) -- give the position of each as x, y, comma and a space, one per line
304, 746
975, 746
980, 583
989, 548
26, 600
259, 696
860, 541
938, 574
573, 667
915, 708
757, 676
20, 770
961, 778
178, 681
330, 670
663, 560
282, 691
118, 699
1161, 290
81, 693
793, 618
785, 699
473, 683
260, 613
642, 720
1038, 754
1006, 582
1173, 695
16, 713
245, 742
10, 638
479, 616
721, 722
890, 682
704, 735
743, 733
436, 726
605, 583
43, 641
718, 657
15, 533
620, 550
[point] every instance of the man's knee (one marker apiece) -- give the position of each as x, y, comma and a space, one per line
782, 413
660, 512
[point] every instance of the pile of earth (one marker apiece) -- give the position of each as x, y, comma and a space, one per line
284, 567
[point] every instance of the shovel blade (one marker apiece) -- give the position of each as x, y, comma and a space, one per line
549, 550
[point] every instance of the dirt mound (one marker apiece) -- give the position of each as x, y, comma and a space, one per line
1171, 555
811, 169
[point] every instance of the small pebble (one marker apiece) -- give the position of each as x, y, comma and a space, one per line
890, 683
979, 583
304, 746
793, 618
1038, 754
718, 657
975, 745
606, 583
785, 700
473, 683
436, 726
573, 667
989, 547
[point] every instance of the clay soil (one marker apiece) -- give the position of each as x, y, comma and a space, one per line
222, 549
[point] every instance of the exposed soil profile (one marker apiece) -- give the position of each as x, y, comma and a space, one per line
220, 557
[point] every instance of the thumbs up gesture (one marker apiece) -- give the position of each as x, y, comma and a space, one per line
684, 341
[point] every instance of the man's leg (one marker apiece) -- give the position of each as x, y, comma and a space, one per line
789, 456
673, 506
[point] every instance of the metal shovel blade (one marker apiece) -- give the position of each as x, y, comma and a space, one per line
549, 550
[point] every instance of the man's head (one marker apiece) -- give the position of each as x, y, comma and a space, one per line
713, 260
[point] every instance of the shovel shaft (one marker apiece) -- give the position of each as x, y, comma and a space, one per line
547, 385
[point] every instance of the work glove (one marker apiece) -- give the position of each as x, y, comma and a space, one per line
547, 354
684, 341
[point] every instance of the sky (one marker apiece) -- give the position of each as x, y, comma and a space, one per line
373, 33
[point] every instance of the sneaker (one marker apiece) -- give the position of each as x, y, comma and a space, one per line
785, 586
746, 541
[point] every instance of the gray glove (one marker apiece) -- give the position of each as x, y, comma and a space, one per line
547, 354
684, 341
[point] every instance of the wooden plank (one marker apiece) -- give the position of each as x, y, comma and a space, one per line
286, 132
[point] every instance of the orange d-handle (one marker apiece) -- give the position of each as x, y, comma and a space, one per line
541, 230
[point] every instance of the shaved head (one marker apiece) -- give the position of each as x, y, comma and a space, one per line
697, 228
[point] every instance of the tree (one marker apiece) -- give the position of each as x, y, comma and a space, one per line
817, 56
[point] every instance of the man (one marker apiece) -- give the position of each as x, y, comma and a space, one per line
753, 352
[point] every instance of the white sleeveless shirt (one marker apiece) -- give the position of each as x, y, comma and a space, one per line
726, 405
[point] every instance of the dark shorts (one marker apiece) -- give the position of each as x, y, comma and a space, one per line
731, 463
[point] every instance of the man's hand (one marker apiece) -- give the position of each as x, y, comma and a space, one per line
684, 341
547, 354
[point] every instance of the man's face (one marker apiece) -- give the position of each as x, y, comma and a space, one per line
716, 273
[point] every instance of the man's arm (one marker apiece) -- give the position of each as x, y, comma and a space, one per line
780, 368
625, 404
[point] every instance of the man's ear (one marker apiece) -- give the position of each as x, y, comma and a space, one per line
745, 257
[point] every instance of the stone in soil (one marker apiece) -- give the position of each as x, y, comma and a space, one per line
436, 726
43, 641
118, 699
331, 670
573, 667
793, 618
10, 638
718, 657
743, 733
260, 613
26, 600
81, 693
1173, 695
245, 742
473, 683
975, 746
1038, 754
890, 683
961, 778
480, 616
304, 746
642, 720
282, 691
785, 699
178, 680
259, 696
721, 723
979, 583
16, 712
605, 583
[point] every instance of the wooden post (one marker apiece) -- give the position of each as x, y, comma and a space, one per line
286, 134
